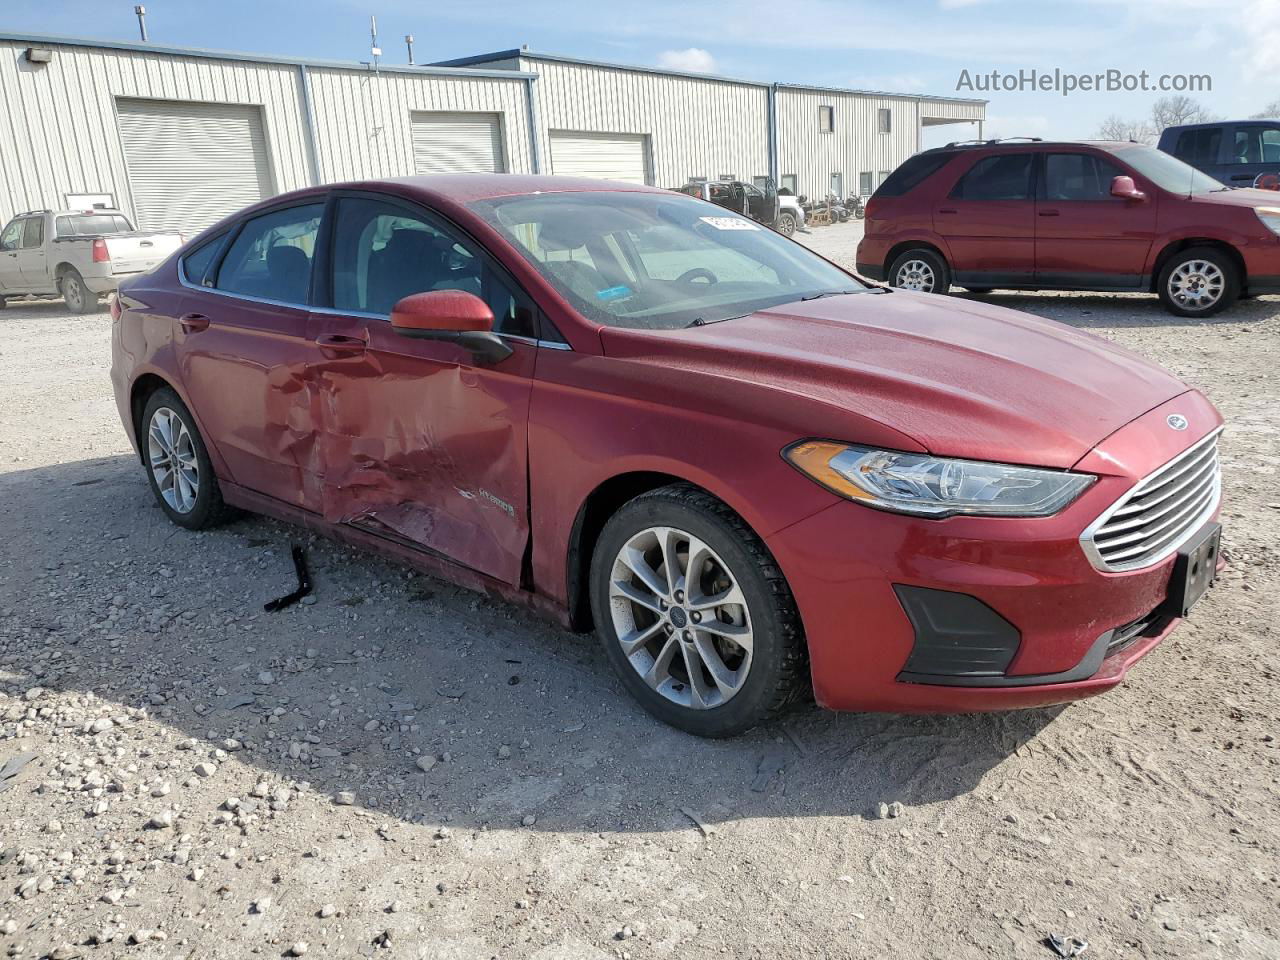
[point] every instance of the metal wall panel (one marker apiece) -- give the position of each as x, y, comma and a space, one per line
696, 128
363, 120
58, 124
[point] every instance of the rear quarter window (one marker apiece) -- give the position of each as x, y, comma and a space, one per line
195, 265
911, 173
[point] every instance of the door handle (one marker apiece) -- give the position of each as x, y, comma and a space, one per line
948, 210
334, 345
1242, 176
1048, 213
193, 322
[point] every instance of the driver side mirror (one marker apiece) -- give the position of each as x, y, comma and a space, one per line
1125, 188
454, 316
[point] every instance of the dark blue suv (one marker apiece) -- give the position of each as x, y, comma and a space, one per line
1234, 152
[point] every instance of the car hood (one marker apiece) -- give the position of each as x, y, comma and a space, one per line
1244, 197
962, 379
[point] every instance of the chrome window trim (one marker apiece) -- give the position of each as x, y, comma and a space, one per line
359, 314
1215, 499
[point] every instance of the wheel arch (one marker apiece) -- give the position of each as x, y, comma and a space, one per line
898, 249
139, 393
594, 512
1174, 247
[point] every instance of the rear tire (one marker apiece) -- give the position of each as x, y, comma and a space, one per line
922, 270
786, 224
179, 471
80, 299
1198, 282
746, 663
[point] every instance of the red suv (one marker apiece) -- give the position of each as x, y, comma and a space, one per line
626, 408
1096, 215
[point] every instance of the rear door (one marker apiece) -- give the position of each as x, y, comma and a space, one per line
1255, 149
988, 221
418, 442
33, 260
1085, 237
242, 349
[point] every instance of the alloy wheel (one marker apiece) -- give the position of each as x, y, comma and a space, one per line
916, 275
1196, 284
171, 454
73, 293
681, 618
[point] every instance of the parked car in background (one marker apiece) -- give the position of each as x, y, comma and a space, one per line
1097, 215
745, 468
76, 254
1236, 152
764, 204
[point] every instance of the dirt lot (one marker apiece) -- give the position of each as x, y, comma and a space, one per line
207, 780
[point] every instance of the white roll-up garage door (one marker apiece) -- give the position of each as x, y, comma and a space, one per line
457, 143
601, 156
191, 164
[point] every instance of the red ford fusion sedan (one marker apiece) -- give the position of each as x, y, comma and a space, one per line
623, 407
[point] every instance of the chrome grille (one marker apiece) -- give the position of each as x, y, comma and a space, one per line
1154, 518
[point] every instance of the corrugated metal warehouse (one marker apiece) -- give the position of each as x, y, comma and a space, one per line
180, 137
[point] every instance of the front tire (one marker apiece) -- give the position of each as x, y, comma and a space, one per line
786, 224
1198, 282
79, 298
694, 614
921, 270
179, 471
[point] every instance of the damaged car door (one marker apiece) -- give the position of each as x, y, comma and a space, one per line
420, 441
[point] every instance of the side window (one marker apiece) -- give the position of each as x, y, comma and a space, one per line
11, 238
885, 120
383, 252
1257, 145
1004, 176
33, 233
195, 265
1198, 147
1078, 176
271, 257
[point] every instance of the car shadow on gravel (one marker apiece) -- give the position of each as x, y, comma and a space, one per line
1121, 310
389, 671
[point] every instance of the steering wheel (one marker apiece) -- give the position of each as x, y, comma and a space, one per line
697, 273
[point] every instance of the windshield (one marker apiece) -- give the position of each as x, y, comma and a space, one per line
1167, 171
659, 260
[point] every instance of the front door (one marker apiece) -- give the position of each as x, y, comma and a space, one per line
418, 442
1085, 237
988, 221
243, 353
11, 280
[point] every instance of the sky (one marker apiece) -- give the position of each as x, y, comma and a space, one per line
907, 46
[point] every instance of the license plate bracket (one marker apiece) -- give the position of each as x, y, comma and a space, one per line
1194, 570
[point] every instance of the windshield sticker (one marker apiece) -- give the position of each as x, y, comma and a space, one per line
614, 293
730, 223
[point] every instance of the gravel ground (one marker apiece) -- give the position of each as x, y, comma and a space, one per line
401, 768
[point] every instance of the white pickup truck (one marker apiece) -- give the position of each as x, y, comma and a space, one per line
75, 254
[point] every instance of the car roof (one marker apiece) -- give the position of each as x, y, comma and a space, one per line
1020, 144
1260, 121
467, 187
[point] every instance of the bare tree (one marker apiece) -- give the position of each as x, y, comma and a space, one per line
1270, 112
1118, 128
1174, 111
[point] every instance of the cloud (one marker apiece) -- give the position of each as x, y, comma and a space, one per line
692, 60
1262, 38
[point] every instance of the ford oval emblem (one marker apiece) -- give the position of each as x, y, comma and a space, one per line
1176, 421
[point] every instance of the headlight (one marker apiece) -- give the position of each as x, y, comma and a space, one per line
935, 486
1270, 217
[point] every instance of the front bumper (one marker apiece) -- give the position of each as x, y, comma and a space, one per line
855, 570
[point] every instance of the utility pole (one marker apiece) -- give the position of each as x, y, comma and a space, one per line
408, 41
141, 11
374, 51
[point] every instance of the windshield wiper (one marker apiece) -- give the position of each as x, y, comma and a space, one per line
699, 322
828, 293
